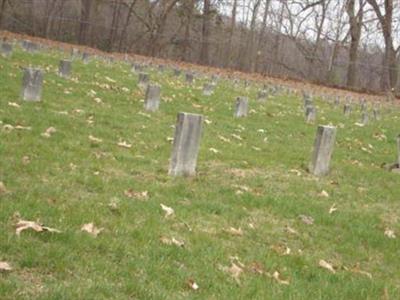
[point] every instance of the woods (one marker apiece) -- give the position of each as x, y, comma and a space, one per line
349, 43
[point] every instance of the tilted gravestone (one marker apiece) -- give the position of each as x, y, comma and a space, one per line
241, 107
152, 101
143, 80
64, 68
347, 110
208, 89
323, 149
6, 49
186, 145
32, 82
311, 114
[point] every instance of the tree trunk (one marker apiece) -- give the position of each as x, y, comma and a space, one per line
205, 32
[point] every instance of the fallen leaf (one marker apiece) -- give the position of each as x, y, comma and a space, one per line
49, 131
173, 241
5, 266
356, 269
91, 229
323, 264
124, 144
307, 219
95, 139
137, 195
235, 231
168, 210
234, 270
23, 225
332, 209
276, 276
13, 104
390, 233
192, 284
324, 194
3, 189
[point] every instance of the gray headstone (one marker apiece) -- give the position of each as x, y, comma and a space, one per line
64, 68
136, 68
189, 77
6, 49
29, 46
32, 84
347, 110
86, 58
364, 118
143, 80
323, 148
376, 114
363, 105
262, 95
311, 114
177, 72
336, 102
186, 145
208, 89
74, 53
241, 107
152, 101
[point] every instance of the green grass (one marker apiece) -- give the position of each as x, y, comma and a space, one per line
71, 181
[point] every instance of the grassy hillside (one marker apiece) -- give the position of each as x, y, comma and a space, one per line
254, 223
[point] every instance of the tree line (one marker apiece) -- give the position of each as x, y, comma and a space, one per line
346, 43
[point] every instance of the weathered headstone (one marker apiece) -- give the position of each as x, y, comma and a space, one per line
86, 58
6, 49
323, 148
143, 80
208, 89
336, 102
32, 82
64, 68
363, 105
152, 101
177, 72
262, 95
376, 114
364, 118
29, 46
74, 53
136, 68
311, 114
186, 145
241, 107
347, 110
189, 77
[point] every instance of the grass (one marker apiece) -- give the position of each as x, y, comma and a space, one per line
259, 184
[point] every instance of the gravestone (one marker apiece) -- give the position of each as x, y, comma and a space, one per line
136, 68
262, 95
32, 82
323, 148
74, 53
29, 46
376, 114
208, 89
186, 145
311, 114
152, 101
189, 77
336, 102
143, 80
241, 107
86, 58
6, 49
307, 98
363, 105
364, 118
177, 72
64, 68
347, 110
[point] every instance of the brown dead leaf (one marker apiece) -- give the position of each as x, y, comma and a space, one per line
124, 144
91, 229
357, 269
23, 225
234, 270
324, 264
332, 209
307, 219
3, 189
137, 195
5, 266
323, 194
390, 233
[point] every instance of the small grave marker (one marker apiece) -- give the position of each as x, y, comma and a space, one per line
32, 84
241, 107
323, 149
152, 101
